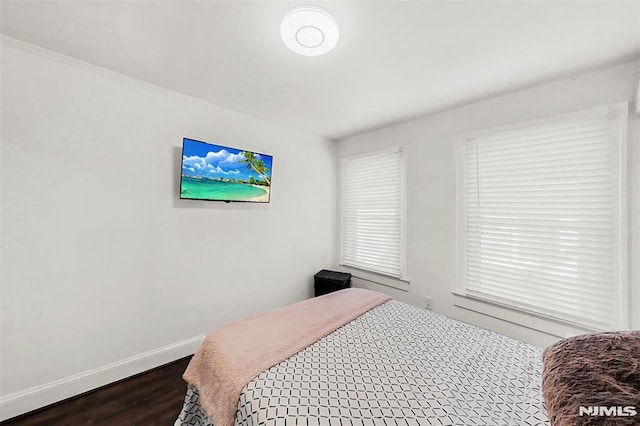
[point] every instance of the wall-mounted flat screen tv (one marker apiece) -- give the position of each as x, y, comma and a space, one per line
220, 173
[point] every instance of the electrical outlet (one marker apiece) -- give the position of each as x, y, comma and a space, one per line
428, 303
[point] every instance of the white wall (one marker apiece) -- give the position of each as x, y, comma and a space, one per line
429, 148
105, 272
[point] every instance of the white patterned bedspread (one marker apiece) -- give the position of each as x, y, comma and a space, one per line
396, 365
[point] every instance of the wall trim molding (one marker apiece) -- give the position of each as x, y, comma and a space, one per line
135, 82
62, 58
40, 396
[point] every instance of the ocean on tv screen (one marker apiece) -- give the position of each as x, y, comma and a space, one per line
216, 172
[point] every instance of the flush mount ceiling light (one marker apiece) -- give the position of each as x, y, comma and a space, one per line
309, 31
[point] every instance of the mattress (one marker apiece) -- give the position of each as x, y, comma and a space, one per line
395, 365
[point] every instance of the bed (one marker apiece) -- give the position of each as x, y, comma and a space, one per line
394, 364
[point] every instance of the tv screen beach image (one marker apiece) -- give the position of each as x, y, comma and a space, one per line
215, 172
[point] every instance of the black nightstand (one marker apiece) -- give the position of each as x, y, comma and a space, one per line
328, 281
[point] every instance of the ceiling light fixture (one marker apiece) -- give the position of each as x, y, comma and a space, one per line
309, 31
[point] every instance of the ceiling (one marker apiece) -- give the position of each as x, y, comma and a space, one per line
396, 60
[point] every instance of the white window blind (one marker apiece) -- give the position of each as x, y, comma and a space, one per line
542, 217
372, 212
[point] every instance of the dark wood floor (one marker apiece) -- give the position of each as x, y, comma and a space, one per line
151, 398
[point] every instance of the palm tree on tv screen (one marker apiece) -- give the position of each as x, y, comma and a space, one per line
256, 165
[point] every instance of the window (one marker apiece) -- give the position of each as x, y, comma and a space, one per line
541, 217
373, 212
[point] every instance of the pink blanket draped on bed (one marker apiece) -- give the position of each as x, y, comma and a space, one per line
234, 354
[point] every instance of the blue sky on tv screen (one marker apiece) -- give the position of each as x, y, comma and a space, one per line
201, 159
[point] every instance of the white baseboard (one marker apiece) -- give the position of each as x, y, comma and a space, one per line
40, 396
